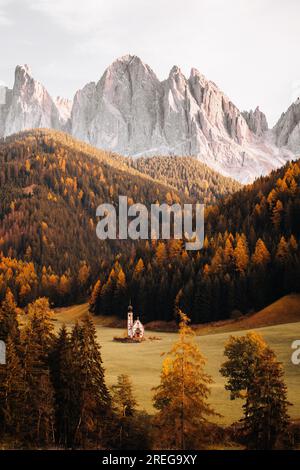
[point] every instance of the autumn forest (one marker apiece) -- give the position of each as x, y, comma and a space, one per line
53, 391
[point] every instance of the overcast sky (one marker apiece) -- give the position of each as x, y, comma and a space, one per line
249, 48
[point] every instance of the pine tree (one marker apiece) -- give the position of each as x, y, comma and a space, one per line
62, 373
95, 298
161, 253
8, 319
228, 251
41, 324
123, 397
241, 256
178, 301
217, 261
94, 398
203, 299
282, 253
39, 411
139, 268
119, 300
70, 388
293, 244
266, 408
181, 397
243, 354
254, 375
124, 404
12, 388
175, 248
83, 275
107, 293
261, 255
277, 214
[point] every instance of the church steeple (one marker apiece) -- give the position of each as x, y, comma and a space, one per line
130, 321
135, 330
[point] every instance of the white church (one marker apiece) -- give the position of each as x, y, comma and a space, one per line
135, 329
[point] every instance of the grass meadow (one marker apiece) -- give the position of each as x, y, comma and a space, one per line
143, 361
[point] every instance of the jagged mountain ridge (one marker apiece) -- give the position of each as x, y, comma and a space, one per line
256, 120
287, 129
130, 111
27, 105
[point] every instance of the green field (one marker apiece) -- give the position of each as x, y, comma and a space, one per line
143, 362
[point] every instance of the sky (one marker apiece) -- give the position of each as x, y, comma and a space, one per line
249, 48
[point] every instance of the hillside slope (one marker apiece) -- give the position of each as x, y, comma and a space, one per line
283, 311
188, 175
129, 357
287, 129
50, 187
250, 258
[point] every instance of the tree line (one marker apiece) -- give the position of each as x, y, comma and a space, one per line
53, 392
250, 258
189, 176
50, 187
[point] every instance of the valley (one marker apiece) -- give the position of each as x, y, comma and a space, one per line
51, 186
149, 230
51, 181
142, 362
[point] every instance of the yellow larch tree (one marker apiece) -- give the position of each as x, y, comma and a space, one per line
241, 256
181, 397
261, 255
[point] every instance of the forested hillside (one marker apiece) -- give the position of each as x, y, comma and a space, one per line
50, 186
188, 175
250, 258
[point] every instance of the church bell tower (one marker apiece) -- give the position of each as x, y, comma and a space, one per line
130, 322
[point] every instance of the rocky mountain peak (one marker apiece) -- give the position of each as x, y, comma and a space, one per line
30, 105
127, 59
23, 77
287, 129
256, 120
23, 70
129, 64
177, 81
28, 87
64, 107
175, 71
195, 75
130, 111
